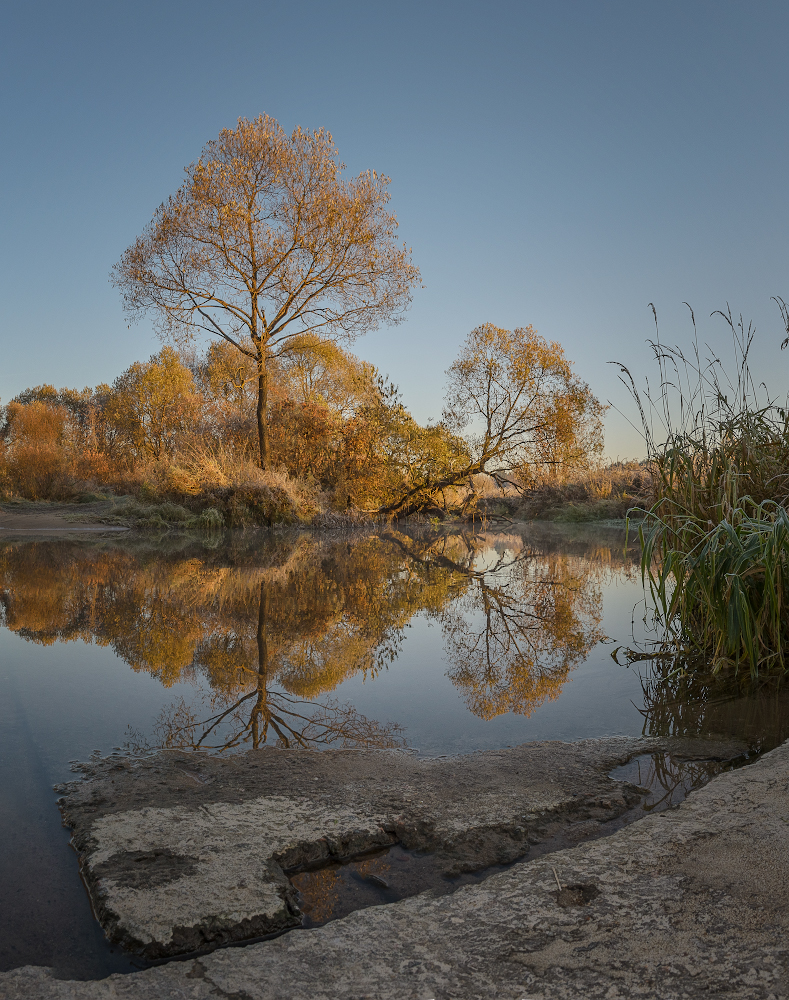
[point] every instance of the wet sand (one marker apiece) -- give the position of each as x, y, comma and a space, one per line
51, 519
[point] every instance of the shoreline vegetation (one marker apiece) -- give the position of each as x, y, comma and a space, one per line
598, 503
277, 259
174, 442
41, 471
715, 541
609, 500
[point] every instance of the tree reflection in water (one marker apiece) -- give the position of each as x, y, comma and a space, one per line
265, 631
524, 620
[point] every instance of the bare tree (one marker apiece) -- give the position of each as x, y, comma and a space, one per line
264, 241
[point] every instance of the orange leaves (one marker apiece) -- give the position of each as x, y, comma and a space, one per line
512, 647
36, 461
153, 403
517, 395
266, 240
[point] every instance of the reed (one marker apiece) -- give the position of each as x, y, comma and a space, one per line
715, 540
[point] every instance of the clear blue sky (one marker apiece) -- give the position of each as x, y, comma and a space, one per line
555, 163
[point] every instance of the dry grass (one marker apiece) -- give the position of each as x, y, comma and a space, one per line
216, 478
607, 493
196, 489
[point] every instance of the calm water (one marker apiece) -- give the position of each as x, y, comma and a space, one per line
443, 643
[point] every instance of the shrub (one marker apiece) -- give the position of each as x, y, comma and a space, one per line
37, 462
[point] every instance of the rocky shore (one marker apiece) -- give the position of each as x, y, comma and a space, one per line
187, 852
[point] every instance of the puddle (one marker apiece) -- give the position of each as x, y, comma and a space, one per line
395, 873
383, 877
668, 779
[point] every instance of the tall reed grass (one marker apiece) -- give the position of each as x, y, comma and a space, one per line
715, 541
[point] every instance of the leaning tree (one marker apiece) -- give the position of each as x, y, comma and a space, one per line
265, 241
518, 402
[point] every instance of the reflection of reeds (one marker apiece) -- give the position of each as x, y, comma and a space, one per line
670, 779
698, 702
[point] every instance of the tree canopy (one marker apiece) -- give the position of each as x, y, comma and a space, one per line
517, 400
265, 241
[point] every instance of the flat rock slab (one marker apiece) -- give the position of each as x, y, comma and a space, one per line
182, 852
688, 903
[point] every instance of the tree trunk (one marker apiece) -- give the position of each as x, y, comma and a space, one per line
262, 414
260, 713
420, 496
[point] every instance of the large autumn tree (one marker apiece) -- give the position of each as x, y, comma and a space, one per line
266, 241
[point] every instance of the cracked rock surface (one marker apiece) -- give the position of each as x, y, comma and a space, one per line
688, 903
183, 852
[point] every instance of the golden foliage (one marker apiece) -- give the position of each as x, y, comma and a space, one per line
266, 241
35, 456
522, 401
183, 428
153, 404
269, 631
521, 407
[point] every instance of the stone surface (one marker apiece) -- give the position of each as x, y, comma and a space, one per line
689, 903
184, 852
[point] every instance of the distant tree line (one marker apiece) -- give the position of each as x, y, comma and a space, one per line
184, 423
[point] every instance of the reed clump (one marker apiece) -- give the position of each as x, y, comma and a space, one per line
715, 541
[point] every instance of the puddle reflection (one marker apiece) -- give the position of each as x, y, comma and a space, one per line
669, 779
383, 877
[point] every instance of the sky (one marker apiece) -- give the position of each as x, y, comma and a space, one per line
560, 164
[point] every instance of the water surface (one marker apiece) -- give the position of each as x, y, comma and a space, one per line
437, 642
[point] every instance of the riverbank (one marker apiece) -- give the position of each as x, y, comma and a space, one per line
53, 518
118, 514
689, 902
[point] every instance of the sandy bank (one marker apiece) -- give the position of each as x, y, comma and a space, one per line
50, 519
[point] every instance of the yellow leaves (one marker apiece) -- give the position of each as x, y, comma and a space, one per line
309, 368
37, 457
36, 424
516, 392
266, 238
153, 402
301, 616
536, 630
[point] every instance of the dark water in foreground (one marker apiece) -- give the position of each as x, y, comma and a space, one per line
443, 643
